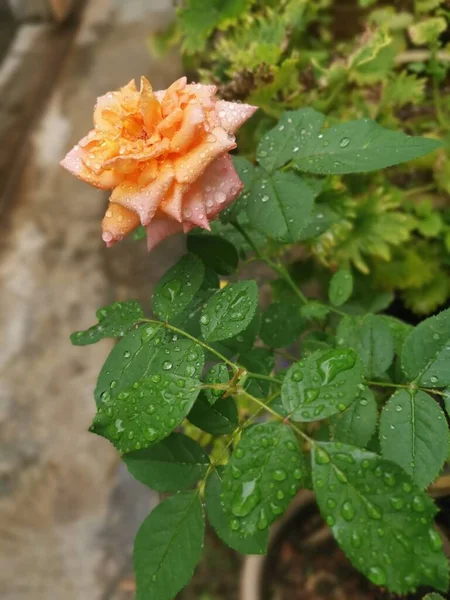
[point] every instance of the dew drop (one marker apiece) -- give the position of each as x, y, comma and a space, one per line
377, 575
279, 474
322, 457
344, 142
418, 505
348, 511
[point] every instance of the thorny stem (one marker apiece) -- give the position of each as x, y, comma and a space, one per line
236, 368
194, 339
405, 386
274, 413
264, 377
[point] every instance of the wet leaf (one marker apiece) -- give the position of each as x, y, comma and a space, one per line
129, 360
114, 320
352, 147
229, 311
357, 424
382, 521
281, 143
372, 338
218, 518
168, 547
147, 412
280, 205
264, 473
323, 383
414, 434
426, 352
178, 286
217, 374
173, 464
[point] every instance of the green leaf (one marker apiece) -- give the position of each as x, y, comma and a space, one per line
178, 286
168, 547
218, 518
414, 434
146, 412
353, 147
357, 424
217, 374
382, 521
262, 476
426, 352
229, 311
129, 360
174, 464
372, 338
143, 353
244, 341
427, 31
399, 331
280, 205
281, 143
219, 419
182, 357
360, 146
322, 384
282, 323
215, 252
113, 321
433, 597
341, 287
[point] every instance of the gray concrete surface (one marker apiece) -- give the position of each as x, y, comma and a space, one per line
68, 512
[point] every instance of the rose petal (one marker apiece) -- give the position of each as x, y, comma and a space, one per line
192, 164
73, 162
190, 129
167, 126
220, 185
194, 210
144, 201
159, 229
172, 203
150, 107
154, 151
117, 223
233, 114
169, 100
204, 94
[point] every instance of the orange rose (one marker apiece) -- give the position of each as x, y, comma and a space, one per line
164, 155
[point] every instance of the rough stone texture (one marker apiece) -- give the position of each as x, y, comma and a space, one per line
68, 512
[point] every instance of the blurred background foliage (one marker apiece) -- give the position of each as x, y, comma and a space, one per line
348, 60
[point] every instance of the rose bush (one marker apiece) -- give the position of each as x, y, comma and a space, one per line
233, 407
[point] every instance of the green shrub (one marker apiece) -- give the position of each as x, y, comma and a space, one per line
349, 62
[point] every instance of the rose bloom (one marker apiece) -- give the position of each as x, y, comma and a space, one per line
164, 155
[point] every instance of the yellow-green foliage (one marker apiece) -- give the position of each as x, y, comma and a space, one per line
389, 63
